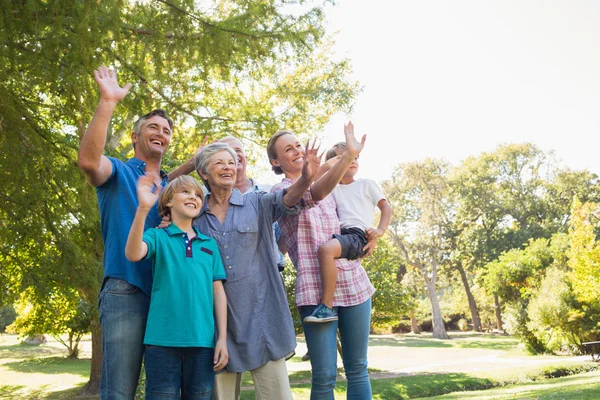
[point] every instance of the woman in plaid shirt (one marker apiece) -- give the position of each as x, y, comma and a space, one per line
303, 234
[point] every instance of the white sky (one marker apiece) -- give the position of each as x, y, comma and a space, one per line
450, 79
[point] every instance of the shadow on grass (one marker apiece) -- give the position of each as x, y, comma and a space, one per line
52, 365
409, 342
24, 350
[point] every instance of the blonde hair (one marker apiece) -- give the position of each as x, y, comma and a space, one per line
177, 185
336, 150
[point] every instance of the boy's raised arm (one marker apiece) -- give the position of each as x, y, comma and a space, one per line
325, 184
136, 248
96, 167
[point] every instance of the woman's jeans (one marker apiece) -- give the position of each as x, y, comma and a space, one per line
123, 313
354, 325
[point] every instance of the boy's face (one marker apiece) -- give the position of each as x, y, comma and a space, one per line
186, 204
352, 169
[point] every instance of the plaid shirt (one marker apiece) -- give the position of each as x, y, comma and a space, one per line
303, 234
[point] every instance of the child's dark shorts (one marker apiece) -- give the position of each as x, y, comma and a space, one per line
352, 240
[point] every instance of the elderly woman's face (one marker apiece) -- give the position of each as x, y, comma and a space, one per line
221, 170
290, 154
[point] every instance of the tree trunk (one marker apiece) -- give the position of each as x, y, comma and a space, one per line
93, 385
498, 312
413, 323
470, 298
439, 330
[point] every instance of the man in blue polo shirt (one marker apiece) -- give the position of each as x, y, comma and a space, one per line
125, 295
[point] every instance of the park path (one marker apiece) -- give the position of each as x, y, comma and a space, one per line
402, 355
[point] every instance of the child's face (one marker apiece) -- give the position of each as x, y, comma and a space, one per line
353, 169
186, 204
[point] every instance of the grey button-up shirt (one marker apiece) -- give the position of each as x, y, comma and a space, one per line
259, 324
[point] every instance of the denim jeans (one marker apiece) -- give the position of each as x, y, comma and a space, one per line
123, 313
179, 373
354, 325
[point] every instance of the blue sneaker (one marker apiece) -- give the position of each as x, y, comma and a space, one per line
321, 313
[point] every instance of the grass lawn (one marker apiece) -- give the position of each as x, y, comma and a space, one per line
402, 367
578, 387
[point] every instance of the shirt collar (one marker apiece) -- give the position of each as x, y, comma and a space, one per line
141, 165
236, 198
174, 230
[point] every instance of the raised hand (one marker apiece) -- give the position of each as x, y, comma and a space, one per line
148, 190
109, 87
353, 146
312, 160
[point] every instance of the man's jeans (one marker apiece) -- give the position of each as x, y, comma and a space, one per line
354, 324
123, 314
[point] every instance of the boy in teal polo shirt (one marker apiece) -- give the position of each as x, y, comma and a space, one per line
181, 355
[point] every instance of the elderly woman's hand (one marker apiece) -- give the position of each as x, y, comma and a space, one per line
312, 161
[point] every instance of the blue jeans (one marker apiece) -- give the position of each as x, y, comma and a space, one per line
354, 325
123, 313
179, 373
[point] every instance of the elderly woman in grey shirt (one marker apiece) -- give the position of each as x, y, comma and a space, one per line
260, 331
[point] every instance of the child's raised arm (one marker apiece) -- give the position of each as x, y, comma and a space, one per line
220, 301
136, 249
384, 221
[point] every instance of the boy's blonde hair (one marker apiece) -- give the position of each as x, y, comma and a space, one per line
177, 185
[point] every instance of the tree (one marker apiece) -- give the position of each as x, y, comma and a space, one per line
57, 314
501, 202
243, 68
391, 300
419, 194
584, 253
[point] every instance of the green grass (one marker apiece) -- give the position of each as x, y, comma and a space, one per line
29, 372
578, 387
461, 386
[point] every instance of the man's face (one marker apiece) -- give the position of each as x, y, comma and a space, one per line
237, 146
153, 139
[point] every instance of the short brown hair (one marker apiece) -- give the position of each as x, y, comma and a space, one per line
161, 113
271, 153
177, 185
338, 149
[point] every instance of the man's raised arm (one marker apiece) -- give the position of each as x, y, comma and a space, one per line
97, 167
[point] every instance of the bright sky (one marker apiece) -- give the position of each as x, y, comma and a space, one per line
450, 79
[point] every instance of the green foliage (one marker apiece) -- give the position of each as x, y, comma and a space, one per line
584, 253
391, 300
59, 313
558, 319
7, 317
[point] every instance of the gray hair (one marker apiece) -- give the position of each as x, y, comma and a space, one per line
229, 137
202, 157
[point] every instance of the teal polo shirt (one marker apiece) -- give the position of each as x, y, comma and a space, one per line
181, 306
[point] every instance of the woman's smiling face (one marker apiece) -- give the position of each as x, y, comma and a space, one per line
290, 155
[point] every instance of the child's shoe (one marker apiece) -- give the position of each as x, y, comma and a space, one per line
321, 313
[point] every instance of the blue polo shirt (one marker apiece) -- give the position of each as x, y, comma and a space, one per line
181, 306
117, 198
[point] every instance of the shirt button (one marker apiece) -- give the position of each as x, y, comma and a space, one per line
227, 257
223, 233
247, 229
225, 246
229, 267
189, 248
